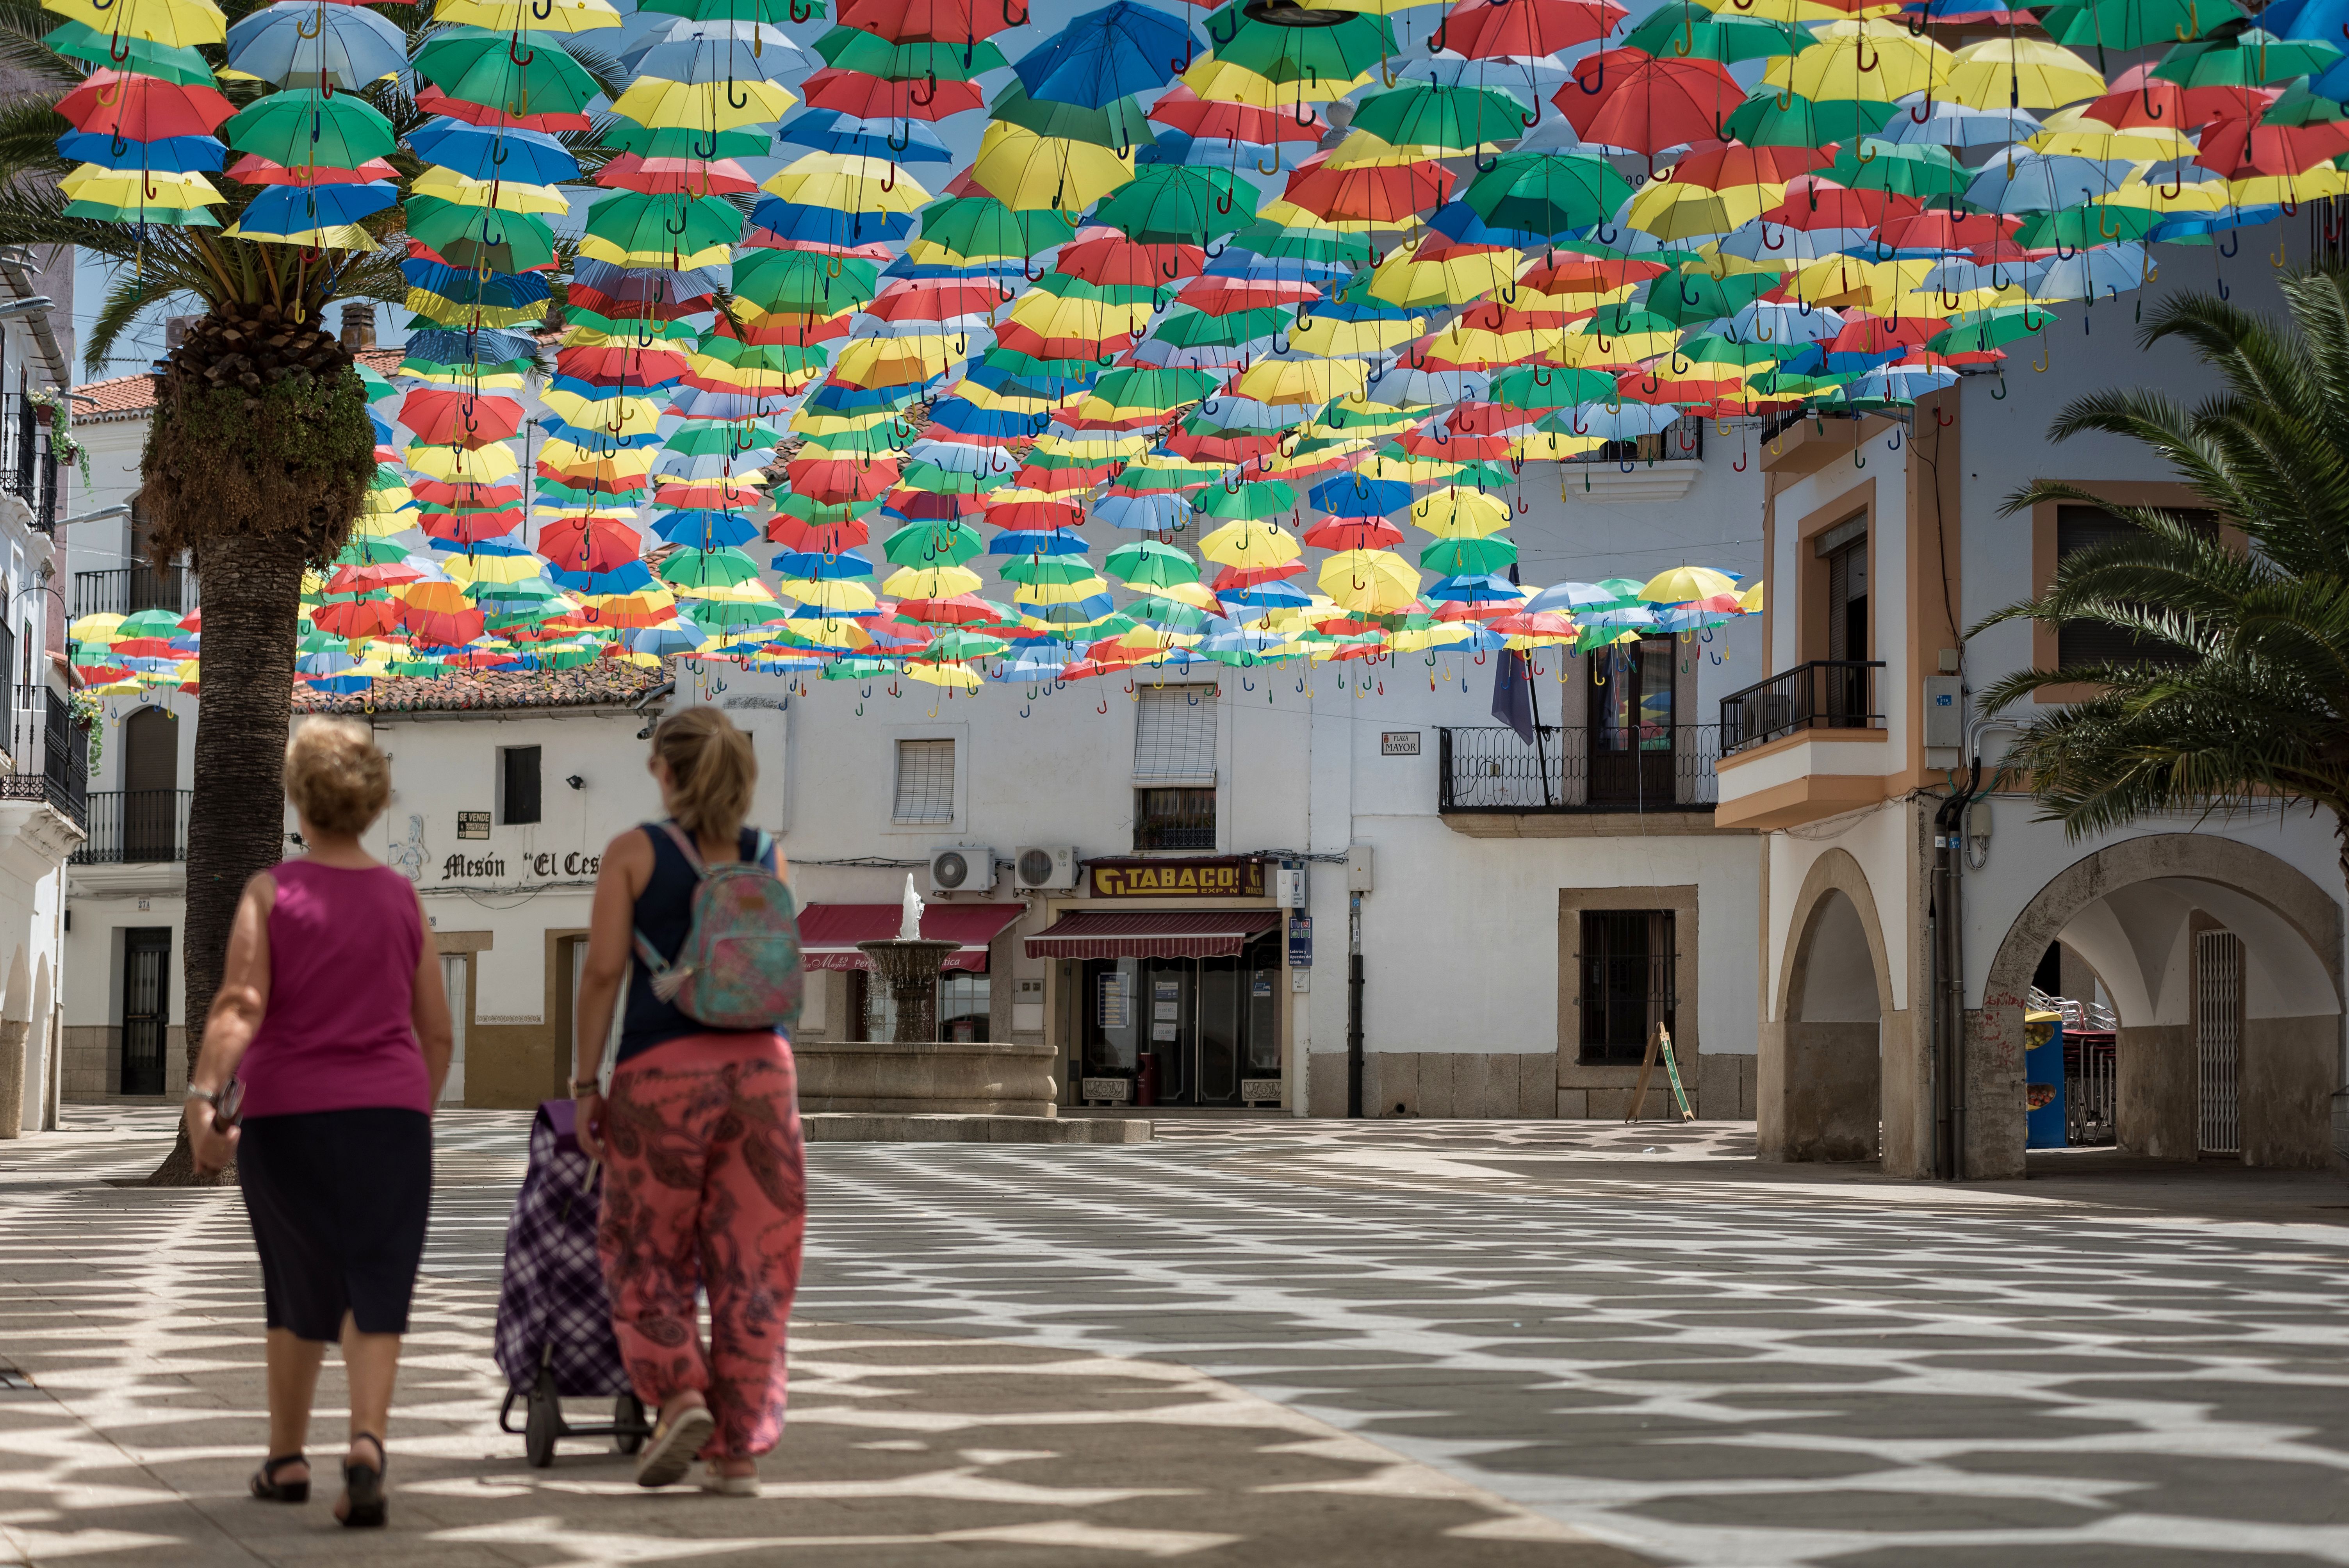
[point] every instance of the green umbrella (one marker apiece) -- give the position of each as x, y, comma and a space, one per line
2300, 106
1334, 51
1120, 123
1256, 498
804, 282
720, 568
138, 57
853, 49
1469, 557
702, 436
302, 128
1536, 386
470, 236
1625, 319
1691, 298
480, 67
1063, 285
2087, 224
1904, 169
1449, 119
1687, 31
2136, 24
1978, 331
1057, 570
1197, 329
1547, 192
1168, 615
2251, 58
955, 645
1274, 242
981, 226
1150, 564
685, 141
1172, 204
649, 222
937, 544
1144, 386
1713, 348
1759, 121
822, 514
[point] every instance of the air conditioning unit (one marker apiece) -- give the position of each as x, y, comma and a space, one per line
1037, 870
962, 867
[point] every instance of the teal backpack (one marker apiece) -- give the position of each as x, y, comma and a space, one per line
740, 967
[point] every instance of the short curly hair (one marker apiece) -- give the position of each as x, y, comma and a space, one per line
335, 775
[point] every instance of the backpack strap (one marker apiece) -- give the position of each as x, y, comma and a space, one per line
655, 964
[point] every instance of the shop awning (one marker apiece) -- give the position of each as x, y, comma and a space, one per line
1156, 933
829, 933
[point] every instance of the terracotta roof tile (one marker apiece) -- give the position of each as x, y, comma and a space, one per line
605, 683
130, 396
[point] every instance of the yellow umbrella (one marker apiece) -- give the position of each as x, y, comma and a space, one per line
505, 195
656, 101
1302, 380
1791, 13
1550, 445
961, 678
932, 582
530, 16
1228, 83
139, 188
1072, 593
613, 416
2029, 72
833, 593
481, 465
1460, 514
1050, 315
810, 421
1248, 543
1287, 214
2092, 139
1861, 60
1372, 581
181, 24
1749, 602
2308, 185
845, 182
1841, 281
1403, 280
1682, 584
1030, 173
1348, 339
2201, 191
894, 361
1670, 209
1442, 634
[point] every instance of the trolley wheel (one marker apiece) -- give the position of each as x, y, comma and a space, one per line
628, 1416
544, 1424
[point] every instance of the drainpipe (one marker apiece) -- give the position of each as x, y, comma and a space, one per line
1355, 1005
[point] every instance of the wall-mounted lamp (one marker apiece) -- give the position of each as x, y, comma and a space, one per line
576, 782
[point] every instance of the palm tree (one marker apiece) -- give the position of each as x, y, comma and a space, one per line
257, 458
2240, 691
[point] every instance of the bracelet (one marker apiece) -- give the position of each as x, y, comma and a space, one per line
211, 1097
587, 1086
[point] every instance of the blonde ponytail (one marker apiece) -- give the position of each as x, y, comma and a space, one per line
712, 770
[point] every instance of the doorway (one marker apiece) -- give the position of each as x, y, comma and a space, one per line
1197, 1025
151, 786
146, 1006
2219, 1040
1630, 744
453, 967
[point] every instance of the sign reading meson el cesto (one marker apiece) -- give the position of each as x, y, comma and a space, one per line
1218, 877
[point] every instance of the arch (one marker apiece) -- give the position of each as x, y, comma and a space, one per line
2131, 910
1824, 1069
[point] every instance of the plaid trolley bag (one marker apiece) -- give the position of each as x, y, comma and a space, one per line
554, 1338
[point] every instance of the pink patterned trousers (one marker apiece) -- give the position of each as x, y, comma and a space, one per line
706, 1187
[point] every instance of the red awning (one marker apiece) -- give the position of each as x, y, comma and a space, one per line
829, 933
1157, 934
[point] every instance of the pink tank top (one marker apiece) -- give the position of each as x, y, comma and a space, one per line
343, 951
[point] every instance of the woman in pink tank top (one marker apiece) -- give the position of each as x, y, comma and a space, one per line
331, 1017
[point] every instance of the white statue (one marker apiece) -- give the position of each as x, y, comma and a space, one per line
909, 924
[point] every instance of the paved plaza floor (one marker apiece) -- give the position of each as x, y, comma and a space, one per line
1280, 1343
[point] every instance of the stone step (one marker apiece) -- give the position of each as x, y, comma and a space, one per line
882, 1126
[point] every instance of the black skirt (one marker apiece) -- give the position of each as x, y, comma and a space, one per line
338, 1201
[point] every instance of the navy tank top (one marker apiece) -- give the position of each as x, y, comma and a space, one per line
664, 913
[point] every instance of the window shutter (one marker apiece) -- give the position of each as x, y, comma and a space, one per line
522, 783
1175, 737
925, 781
1838, 596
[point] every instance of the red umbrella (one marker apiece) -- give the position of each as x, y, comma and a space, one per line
1232, 579
1623, 97
1943, 230
1864, 333
451, 416
462, 492
1337, 533
470, 527
1112, 259
1374, 193
829, 482
2139, 97
1719, 165
432, 100
1213, 120
254, 170
817, 538
673, 176
1033, 514
615, 365
143, 109
1571, 274
873, 98
1017, 337
931, 300
1815, 203
368, 615
1485, 29
588, 543
931, 21
2239, 150
359, 579
1223, 296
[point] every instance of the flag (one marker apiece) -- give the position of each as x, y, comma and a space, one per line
1513, 694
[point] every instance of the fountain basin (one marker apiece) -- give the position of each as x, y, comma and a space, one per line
955, 1077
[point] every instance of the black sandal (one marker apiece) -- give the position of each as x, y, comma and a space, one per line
363, 1496
269, 1489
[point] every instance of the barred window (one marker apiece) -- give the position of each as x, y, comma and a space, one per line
925, 781
1175, 737
1626, 960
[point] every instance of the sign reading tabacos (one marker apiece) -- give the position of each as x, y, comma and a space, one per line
1222, 877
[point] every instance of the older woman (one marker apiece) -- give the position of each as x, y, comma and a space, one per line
330, 1004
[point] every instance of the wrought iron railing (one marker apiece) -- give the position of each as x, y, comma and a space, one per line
28, 469
51, 753
136, 827
1826, 694
1174, 819
1583, 769
126, 590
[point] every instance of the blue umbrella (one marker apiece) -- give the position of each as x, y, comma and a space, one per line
2039, 183
831, 131
485, 152
1037, 541
1350, 495
707, 52
296, 39
170, 155
1158, 512
297, 209
677, 636
629, 577
1115, 52
706, 528
812, 564
1488, 589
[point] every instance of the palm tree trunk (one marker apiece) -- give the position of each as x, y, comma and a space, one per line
236, 817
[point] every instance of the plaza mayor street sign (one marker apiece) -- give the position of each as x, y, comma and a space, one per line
1233, 876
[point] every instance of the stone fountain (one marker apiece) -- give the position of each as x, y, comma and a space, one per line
918, 1074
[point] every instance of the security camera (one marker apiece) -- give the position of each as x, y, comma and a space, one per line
576, 782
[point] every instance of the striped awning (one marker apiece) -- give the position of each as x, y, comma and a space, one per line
1153, 934
829, 933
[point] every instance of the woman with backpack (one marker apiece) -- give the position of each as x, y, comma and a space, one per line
704, 1183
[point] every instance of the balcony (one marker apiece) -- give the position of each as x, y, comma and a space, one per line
126, 590
29, 470
51, 753
1826, 694
1489, 780
136, 827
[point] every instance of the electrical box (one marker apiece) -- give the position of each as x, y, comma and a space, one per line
1945, 713
1358, 868
1977, 827
1288, 887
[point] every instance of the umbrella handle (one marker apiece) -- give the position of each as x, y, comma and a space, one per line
1434, 39
2234, 238
931, 80
733, 102
1260, 169
2193, 29
1542, 377
1916, 119
313, 27
1485, 165
542, 9
1012, 21
1998, 393
1587, 88
1865, 66
894, 145
1190, 49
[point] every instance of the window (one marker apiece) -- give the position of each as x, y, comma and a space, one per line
926, 782
1179, 819
1844, 548
518, 783
2079, 528
1175, 770
1626, 960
